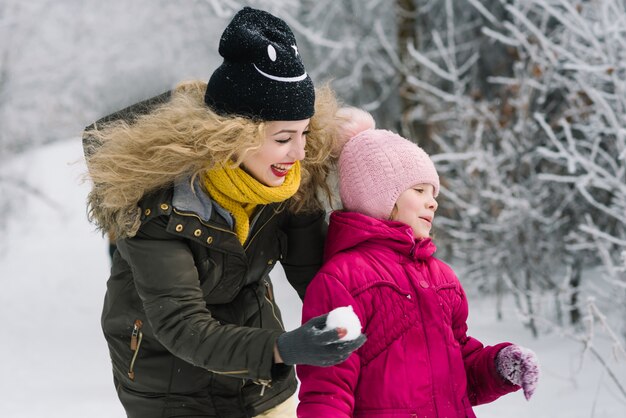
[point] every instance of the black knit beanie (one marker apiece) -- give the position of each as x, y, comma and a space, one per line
262, 76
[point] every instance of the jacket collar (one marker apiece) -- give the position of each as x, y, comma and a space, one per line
350, 229
197, 201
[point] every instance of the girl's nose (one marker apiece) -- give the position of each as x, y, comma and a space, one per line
432, 203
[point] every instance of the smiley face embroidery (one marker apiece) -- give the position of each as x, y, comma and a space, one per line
273, 56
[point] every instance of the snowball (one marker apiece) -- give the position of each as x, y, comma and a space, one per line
344, 317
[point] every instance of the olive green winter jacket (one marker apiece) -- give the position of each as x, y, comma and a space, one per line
189, 314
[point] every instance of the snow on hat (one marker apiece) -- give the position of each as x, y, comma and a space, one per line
376, 166
262, 76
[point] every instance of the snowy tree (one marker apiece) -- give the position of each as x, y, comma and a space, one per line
15, 35
345, 42
587, 140
65, 64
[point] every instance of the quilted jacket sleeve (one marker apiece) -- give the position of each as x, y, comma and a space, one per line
484, 383
166, 280
328, 391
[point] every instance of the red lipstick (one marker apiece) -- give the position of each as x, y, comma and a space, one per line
278, 172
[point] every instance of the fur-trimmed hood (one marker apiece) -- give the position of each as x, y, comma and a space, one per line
175, 137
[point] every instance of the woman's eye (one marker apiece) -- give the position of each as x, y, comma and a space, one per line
283, 141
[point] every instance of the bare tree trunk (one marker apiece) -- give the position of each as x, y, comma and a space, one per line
529, 301
574, 283
558, 308
406, 18
499, 297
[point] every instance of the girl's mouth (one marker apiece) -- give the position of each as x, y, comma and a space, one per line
280, 170
427, 220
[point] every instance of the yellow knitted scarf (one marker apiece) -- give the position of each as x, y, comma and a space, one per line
240, 193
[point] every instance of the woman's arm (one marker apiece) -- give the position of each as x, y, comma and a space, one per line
305, 235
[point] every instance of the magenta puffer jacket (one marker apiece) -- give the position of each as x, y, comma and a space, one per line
418, 360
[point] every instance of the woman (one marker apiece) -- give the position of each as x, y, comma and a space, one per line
206, 188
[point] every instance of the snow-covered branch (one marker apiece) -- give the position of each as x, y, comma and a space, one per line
531, 151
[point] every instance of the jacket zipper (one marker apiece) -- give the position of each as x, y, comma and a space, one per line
135, 343
229, 373
264, 384
277, 210
270, 295
419, 304
270, 298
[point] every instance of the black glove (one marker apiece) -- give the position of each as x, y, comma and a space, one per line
309, 344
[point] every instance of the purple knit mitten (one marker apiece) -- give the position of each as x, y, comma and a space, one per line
519, 366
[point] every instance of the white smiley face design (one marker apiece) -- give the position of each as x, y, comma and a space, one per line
271, 53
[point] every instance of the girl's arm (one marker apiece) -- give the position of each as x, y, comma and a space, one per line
484, 383
328, 391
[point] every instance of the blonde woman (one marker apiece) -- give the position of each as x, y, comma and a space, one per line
206, 188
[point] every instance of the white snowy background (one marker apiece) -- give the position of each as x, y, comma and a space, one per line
53, 357
66, 63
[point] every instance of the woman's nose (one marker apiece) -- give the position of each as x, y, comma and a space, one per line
297, 150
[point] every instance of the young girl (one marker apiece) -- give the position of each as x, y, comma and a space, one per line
205, 189
418, 360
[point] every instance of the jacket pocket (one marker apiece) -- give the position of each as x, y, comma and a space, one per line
135, 344
389, 312
449, 300
448, 297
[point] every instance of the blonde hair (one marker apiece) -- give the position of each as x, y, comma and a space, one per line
182, 138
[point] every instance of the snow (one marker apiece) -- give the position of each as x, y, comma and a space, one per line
53, 357
344, 317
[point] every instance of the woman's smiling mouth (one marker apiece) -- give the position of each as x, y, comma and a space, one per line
281, 170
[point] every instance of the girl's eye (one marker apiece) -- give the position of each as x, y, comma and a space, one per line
419, 190
283, 141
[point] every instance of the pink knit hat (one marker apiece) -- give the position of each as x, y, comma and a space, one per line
376, 166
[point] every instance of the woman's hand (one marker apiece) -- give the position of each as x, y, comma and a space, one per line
309, 344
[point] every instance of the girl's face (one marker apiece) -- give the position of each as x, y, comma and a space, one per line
282, 147
416, 207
